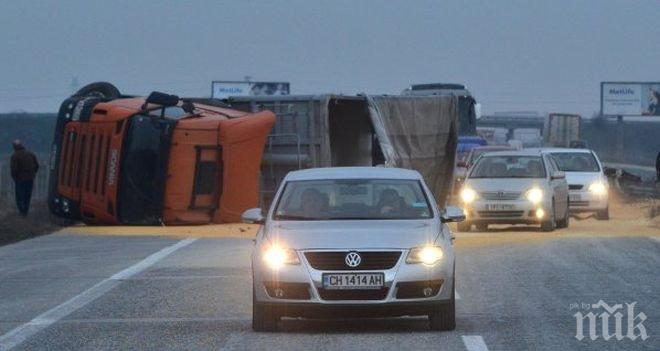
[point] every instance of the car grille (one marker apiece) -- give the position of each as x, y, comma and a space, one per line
500, 214
575, 186
353, 294
335, 260
500, 195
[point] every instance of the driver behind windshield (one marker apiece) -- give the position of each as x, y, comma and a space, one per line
312, 203
390, 203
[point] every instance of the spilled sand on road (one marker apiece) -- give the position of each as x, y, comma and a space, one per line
626, 219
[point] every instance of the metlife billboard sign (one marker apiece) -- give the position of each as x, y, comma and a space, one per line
225, 89
630, 99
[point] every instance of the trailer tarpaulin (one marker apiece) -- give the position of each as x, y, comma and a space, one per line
420, 133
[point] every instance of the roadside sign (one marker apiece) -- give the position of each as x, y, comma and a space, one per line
225, 89
630, 99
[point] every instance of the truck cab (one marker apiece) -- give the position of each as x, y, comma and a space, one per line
155, 160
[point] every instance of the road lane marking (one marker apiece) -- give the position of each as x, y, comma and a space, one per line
458, 297
18, 335
656, 238
474, 343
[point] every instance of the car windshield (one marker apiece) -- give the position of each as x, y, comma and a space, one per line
478, 152
353, 199
509, 167
576, 162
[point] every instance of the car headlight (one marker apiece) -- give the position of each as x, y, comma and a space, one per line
468, 195
597, 188
428, 255
276, 257
534, 195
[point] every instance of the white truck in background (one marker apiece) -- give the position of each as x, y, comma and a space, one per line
563, 130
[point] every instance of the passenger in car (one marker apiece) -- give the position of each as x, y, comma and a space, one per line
313, 202
535, 169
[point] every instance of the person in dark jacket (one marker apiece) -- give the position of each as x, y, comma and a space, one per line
24, 167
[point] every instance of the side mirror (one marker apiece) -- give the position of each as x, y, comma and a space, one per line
253, 216
558, 175
452, 214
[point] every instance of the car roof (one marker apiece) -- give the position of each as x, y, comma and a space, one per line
563, 149
524, 152
353, 173
493, 147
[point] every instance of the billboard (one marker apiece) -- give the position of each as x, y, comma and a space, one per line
630, 99
225, 89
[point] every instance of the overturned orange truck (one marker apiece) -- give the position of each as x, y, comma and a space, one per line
157, 160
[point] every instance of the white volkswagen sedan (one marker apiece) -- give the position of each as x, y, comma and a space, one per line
515, 187
588, 187
353, 242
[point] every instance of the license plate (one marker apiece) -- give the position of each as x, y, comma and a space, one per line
574, 197
353, 280
499, 207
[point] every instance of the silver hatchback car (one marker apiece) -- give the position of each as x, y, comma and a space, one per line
353, 242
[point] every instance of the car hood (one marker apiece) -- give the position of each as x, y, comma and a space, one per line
584, 178
340, 234
504, 184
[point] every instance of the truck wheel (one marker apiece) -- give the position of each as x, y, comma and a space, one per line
603, 215
464, 226
103, 90
482, 227
444, 316
264, 318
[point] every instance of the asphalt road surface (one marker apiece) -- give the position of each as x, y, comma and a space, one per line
518, 291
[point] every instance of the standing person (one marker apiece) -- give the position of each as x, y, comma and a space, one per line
24, 167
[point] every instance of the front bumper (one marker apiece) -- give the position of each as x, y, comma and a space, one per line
519, 211
312, 300
353, 310
586, 201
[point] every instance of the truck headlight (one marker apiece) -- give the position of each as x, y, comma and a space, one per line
276, 257
428, 255
597, 188
468, 195
534, 195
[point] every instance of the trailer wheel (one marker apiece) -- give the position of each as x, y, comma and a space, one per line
103, 90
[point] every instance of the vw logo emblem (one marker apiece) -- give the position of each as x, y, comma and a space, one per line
353, 259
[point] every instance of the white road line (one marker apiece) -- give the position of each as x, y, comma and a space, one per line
15, 337
474, 343
656, 238
458, 297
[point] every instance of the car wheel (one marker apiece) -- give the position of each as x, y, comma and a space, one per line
482, 227
100, 89
264, 318
603, 215
464, 226
444, 317
563, 223
550, 224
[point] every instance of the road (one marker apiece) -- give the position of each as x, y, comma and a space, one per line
517, 289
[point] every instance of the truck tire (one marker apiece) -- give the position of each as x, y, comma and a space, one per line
464, 226
103, 90
603, 215
444, 317
264, 318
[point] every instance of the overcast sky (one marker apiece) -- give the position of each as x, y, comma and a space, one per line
513, 55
